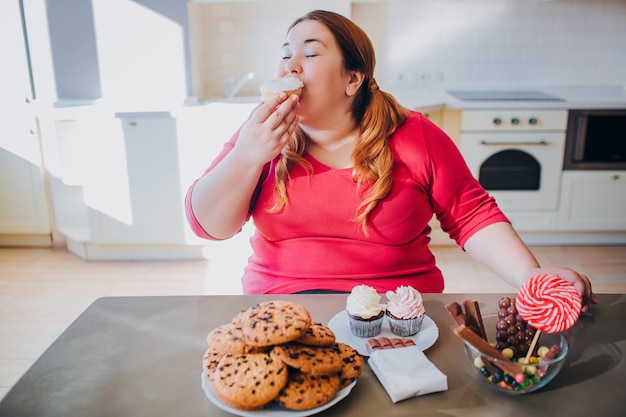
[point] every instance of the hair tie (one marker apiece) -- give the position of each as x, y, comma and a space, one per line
373, 85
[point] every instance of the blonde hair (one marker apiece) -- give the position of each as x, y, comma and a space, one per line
377, 113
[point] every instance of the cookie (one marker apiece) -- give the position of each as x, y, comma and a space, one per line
314, 360
227, 338
239, 317
317, 335
274, 322
249, 381
306, 391
210, 360
352, 364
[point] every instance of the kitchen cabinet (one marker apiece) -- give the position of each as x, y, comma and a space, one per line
120, 179
593, 201
24, 216
23, 211
154, 214
118, 192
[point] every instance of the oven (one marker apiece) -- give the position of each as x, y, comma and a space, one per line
596, 140
516, 155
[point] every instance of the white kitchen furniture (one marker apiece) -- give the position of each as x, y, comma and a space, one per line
118, 180
593, 201
24, 218
536, 134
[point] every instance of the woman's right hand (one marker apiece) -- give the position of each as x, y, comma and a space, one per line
268, 129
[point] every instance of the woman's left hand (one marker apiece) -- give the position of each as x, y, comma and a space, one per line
580, 281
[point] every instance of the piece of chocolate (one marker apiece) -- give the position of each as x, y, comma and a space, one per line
475, 319
554, 351
387, 343
485, 348
456, 311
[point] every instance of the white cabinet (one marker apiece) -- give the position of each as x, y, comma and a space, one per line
593, 201
149, 206
117, 187
23, 208
119, 180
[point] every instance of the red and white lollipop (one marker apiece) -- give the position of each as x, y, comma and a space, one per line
548, 303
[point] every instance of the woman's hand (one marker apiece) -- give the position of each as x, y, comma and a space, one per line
580, 281
498, 247
268, 129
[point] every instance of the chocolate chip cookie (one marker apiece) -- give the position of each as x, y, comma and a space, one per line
227, 338
249, 381
352, 364
306, 391
317, 334
314, 360
274, 322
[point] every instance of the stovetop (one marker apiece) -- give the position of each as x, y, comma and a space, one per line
508, 95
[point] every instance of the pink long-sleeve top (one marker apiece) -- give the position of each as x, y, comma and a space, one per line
315, 244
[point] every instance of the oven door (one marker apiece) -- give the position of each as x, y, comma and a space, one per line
521, 170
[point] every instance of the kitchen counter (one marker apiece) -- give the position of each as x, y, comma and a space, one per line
142, 356
573, 97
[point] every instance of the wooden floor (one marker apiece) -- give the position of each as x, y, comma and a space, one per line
43, 290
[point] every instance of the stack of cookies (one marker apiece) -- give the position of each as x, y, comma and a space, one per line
273, 353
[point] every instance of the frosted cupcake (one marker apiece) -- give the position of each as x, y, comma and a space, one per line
365, 312
288, 85
405, 311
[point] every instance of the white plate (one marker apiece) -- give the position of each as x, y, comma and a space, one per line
340, 325
274, 410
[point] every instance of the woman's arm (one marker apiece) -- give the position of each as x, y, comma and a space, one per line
220, 199
499, 248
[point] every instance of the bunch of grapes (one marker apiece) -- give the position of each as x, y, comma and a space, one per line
511, 330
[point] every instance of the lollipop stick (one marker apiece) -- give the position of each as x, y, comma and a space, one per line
532, 347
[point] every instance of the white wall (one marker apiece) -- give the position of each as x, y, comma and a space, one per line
487, 42
447, 42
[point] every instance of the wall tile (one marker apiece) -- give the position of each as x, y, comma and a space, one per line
471, 42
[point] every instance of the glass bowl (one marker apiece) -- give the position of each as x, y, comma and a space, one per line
521, 378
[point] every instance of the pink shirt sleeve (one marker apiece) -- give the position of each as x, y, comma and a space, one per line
195, 225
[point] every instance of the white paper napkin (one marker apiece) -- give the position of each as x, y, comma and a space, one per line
406, 372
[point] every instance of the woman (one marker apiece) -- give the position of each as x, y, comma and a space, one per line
342, 182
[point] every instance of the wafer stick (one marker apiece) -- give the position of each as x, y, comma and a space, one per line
456, 312
471, 318
486, 349
472, 311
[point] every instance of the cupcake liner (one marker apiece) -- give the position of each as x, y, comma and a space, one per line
366, 327
405, 327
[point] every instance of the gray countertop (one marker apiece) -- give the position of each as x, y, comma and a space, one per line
573, 97
141, 356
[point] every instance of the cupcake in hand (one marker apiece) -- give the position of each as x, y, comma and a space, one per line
365, 312
405, 311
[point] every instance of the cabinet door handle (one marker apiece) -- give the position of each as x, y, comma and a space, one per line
521, 143
615, 177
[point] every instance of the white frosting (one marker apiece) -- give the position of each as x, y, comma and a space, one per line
281, 84
405, 303
363, 302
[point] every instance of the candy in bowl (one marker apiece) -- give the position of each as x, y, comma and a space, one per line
509, 374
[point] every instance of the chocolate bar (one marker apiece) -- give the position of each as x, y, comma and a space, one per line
387, 343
